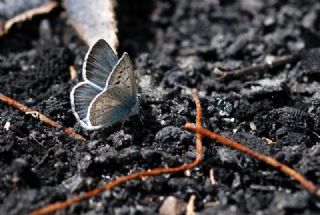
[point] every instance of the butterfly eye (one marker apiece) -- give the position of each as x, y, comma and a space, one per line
119, 77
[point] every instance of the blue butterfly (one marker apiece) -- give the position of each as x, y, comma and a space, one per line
108, 93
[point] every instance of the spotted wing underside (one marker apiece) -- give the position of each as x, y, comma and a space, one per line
106, 109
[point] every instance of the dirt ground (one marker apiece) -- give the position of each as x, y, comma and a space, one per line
175, 45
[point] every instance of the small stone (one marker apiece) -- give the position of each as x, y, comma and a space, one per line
269, 141
227, 156
23, 171
172, 206
253, 126
7, 126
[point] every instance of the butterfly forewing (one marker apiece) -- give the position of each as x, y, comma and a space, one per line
98, 64
123, 76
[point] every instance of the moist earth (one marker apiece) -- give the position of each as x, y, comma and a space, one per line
175, 46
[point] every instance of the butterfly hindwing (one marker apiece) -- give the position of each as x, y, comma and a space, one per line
118, 99
81, 96
99, 63
103, 110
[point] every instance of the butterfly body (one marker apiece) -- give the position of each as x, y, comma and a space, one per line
108, 93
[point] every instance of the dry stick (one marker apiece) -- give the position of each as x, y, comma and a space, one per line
40, 116
21, 17
64, 204
279, 61
308, 185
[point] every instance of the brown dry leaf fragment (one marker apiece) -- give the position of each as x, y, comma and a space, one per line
93, 20
172, 206
15, 11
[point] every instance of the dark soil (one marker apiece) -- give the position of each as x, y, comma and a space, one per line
175, 46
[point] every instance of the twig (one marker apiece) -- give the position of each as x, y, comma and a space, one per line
279, 61
306, 184
45, 8
64, 204
40, 116
211, 176
190, 206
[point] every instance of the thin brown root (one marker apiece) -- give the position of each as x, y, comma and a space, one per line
64, 204
40, 116
306, 184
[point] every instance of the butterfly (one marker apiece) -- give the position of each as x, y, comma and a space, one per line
108, 93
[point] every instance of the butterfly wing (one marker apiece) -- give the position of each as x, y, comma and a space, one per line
119, 99
98, 63
81, 96
123, 76
105, 109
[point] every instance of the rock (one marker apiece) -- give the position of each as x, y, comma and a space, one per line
172, 206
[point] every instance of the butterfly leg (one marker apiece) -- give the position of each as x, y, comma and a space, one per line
140, 117
123, 123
